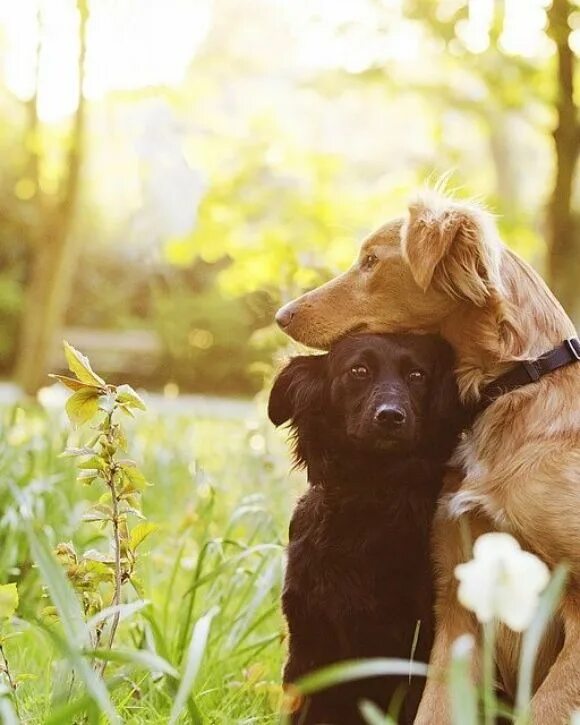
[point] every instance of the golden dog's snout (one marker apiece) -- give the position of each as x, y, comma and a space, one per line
285, 315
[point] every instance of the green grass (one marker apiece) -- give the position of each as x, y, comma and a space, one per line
207, 646
222, 497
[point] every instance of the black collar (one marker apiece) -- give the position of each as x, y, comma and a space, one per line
529, 371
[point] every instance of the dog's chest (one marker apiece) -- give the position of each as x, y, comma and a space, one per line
357, 556
476, 491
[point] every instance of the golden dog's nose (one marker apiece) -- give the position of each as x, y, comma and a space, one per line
285, 314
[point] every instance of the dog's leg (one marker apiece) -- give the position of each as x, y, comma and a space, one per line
435, 708
543, 515
451, 619
559, 694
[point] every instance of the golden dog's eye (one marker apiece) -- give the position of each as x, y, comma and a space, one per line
369, 261
416, 376
359, 371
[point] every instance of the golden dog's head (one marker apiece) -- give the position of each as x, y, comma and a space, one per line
410, 275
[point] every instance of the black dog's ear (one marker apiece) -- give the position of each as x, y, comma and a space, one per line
298, 387
445, 403
446, 409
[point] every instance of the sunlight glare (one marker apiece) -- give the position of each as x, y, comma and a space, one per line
523, 30
474, 31
132, 44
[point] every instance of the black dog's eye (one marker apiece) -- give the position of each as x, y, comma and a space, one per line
416, 376
359, 371
369, 261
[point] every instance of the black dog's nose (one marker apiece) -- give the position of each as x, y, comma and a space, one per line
284, 315
389, 416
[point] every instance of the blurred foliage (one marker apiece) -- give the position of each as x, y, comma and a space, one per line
206, 202
274, 221
285, 216
13, 265
206, 335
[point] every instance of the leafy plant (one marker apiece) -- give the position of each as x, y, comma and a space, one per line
100, 463
204, 645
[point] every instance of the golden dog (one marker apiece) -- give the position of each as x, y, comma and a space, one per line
443, 268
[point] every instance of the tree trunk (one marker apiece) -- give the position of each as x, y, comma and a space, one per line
563, 243
54, 251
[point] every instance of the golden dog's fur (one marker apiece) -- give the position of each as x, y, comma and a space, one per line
444, 269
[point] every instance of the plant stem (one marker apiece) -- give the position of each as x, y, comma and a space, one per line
118, 575
489, 707
111, 472
11, 682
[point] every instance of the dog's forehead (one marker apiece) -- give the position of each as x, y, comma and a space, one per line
387, 236
387, 348
383, 348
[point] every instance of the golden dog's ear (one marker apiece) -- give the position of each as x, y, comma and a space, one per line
453, 246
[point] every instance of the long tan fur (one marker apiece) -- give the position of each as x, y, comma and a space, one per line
443, 268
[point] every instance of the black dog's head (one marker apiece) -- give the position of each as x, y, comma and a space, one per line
373, 392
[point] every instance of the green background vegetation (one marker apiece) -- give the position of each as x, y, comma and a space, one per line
204, 176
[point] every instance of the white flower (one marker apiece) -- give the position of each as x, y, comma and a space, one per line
501, 581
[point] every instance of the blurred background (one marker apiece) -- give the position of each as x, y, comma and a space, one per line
173, 170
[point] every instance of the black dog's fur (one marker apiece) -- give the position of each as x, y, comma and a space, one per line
358, 579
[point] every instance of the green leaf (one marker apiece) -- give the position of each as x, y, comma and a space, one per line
98, 571
140, 532
129, 462
70, 452
49, 612
355, 670
60, 590
127, 396
99, 512
124, 508
8, 600
65, 552
91, 473
80, 366
137, 585
92, 462
265, 581
82, 405
71, 383
140, 658
373, 715
86, 479
94, 555
123, 610
462, 691
193, 662
121, 439
135, 480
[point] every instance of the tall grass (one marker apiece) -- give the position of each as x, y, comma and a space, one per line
206, 645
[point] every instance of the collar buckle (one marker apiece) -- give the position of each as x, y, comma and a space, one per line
532, 370
573, 345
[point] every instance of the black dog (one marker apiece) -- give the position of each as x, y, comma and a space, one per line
374, 422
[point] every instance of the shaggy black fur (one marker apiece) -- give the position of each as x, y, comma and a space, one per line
374, 422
